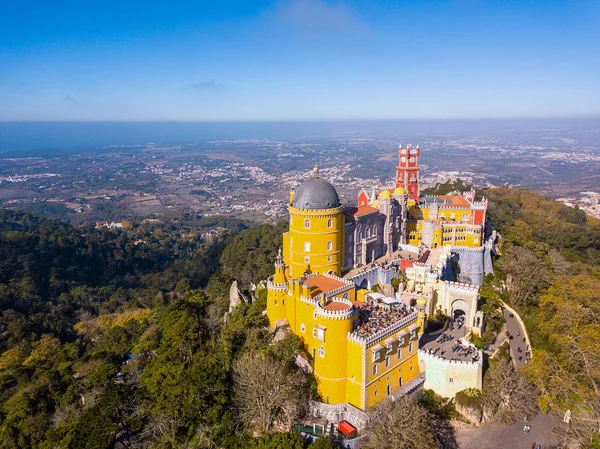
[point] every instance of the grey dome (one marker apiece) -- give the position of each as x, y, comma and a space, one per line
315, 193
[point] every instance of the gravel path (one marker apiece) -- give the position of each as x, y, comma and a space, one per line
509, 436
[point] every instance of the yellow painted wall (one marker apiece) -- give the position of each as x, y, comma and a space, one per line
331, 368
276, 305
318, 235
355, 386
406, 368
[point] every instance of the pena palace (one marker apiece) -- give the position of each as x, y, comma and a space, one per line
337, 286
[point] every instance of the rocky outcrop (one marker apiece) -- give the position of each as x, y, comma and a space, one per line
235, 296
470, 408
303, 364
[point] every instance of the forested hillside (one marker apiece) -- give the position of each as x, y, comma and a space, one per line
113, 338
120, 338
550, 271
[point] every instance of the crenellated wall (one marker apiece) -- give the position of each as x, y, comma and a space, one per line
448, 377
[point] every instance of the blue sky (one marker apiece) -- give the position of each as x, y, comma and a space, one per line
297, 59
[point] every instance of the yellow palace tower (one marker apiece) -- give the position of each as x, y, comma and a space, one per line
314, 243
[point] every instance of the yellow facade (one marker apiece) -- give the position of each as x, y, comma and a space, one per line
451, 226
315, 241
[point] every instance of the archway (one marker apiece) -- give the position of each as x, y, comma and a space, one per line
365, 284
459, 308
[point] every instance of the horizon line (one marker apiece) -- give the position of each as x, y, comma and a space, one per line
305, 120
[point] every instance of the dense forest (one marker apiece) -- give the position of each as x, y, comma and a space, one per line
113, 338
122, 338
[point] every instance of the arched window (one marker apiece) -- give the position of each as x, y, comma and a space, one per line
307, 247
374, 230
387, 361
321, 351
374, 370
330, 223
307, 224
302, 328
367, 233
329, 246
389, 389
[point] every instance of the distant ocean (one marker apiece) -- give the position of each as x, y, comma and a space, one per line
70, 135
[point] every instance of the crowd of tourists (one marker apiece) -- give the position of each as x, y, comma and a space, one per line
374, 317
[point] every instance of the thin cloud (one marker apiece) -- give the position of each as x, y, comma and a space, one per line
207, 85
317, 14
70, 99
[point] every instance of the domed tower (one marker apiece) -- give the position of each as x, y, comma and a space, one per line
277, 287
315, 240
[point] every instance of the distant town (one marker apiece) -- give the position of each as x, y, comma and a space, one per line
251, 178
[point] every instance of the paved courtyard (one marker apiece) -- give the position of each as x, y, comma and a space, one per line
442, 344
509, 436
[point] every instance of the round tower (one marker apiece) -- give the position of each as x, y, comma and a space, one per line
334, 321
316, 229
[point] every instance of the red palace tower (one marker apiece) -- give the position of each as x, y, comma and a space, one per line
407, 172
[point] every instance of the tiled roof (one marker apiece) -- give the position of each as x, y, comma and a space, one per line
360, 210
337, 306
322, 284
457, 200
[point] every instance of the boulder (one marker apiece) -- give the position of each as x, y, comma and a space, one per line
303, 364
235, 296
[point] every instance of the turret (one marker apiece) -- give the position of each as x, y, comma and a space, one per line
407, 172
277, 287
279, 277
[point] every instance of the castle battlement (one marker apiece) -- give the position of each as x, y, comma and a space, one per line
275, 286
308, 300
337, 314
453, 363
461, 285
468, 249
338, 290
332, 212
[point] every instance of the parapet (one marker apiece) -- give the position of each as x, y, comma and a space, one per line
454, 363
468, 249
275, 286
461, 286
333, 313
383, 333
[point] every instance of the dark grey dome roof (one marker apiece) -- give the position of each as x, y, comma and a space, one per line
315, 193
